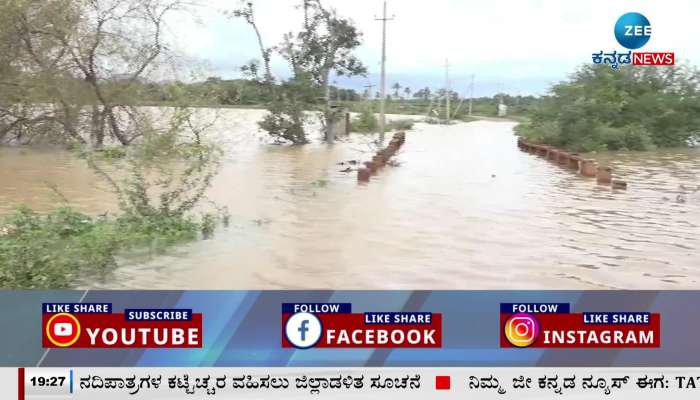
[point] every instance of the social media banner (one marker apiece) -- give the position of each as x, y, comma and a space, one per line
349, 328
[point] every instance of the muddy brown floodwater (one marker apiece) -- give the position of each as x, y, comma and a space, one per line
465, 210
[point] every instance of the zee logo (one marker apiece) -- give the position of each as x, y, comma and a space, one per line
632, 30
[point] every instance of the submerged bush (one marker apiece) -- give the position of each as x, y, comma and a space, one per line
159, 184
400, 125
367, 122
56, 249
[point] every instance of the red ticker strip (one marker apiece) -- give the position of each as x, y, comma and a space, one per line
20, 383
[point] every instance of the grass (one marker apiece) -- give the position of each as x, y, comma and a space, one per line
107, 153
54, 250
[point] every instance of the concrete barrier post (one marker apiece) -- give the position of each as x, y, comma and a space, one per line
604, 176
588, 168
372, 167
363, 175
378, 160
573, 161
619, 185
564, 158
401, 136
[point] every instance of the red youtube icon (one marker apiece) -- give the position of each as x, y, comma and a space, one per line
62, 330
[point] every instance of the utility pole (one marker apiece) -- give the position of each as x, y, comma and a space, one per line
447, 91
368, 89
382, 84
471, 95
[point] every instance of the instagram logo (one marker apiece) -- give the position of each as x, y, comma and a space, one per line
522, 329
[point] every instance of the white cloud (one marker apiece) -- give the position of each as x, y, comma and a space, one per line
524, 44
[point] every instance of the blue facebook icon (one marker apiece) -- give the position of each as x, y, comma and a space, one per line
303, 330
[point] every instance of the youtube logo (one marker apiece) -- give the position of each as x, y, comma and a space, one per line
62, 330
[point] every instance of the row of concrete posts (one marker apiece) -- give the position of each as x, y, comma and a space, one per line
380, 159
583, 166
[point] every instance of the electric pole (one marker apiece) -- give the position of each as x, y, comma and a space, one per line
368, 99
368, 89
447, 92
471, 95
382, 84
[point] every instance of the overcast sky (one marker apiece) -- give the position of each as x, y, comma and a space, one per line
522, 46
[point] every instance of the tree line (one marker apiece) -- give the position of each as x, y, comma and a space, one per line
599, 108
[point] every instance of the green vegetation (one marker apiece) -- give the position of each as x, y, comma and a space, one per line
367, 122
323, 46
399, 125
630, 109
71, 71
158, 184
53, 250
243, 93
434, 105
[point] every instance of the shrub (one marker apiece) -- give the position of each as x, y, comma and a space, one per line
629, 109
366, 122
400, 125
56, 249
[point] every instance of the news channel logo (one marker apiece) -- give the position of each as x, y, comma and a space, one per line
522, 329
632, 30
303, 330
63, 330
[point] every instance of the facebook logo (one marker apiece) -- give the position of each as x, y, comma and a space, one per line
303, 330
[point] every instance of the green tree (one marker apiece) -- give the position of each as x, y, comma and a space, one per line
87, 60
396, 86
423, 94
632, 108
323, 46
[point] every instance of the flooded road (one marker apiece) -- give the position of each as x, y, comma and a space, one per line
464, 210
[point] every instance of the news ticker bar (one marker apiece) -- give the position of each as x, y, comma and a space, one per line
369, 383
